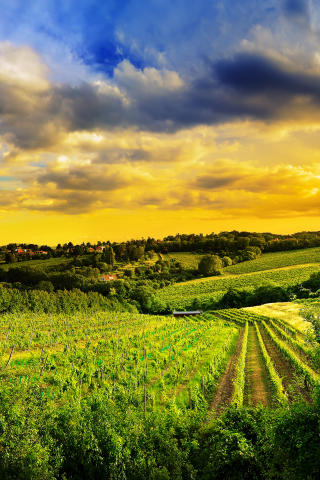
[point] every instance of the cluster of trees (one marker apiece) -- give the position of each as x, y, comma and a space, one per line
13, 300
231, 244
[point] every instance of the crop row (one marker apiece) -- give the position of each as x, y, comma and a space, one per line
181, 294
117, 354
289, 339
268, 261
239, 381
310, 376
274, 377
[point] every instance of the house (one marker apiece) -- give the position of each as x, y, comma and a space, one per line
107, 278
187, 314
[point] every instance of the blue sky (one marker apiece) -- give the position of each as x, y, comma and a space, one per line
184, 34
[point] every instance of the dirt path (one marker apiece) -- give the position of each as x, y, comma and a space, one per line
258, 388
224, 392
284, 369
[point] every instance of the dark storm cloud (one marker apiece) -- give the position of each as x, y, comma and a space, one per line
245, 87
252, 74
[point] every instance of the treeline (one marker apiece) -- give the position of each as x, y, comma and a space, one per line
94, 438
13, 300
232, 245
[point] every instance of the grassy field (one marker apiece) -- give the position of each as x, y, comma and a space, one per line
188, 260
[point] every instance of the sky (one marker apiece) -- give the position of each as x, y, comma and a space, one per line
128, 119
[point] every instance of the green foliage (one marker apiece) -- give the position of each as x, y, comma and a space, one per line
210, 265
239, 381
226, 261
182, 295
269, 261
281, 395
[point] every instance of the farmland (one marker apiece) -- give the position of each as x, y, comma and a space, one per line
144, 360
180, 295
97, 387
110, 394
267, 261
188, 260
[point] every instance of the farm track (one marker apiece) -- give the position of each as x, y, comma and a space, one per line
258, 388
225, 389
285, 370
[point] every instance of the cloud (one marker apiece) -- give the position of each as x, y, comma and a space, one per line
36, 114
280, 180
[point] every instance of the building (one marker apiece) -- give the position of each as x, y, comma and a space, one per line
107, 278
187, 314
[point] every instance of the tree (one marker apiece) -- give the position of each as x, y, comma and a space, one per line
210, 265
10, 258
109, 256
128, 272
226, 261
145, 296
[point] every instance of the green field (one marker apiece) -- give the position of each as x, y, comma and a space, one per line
180, 295
267, 261
188, 260
119, 353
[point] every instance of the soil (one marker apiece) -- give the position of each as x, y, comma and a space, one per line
258, 387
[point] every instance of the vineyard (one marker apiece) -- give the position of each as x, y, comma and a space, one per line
269, 261
107, 386
143, 359
129, 358
181, 295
